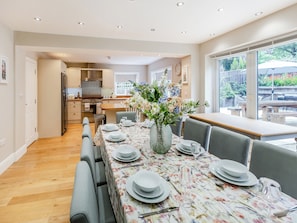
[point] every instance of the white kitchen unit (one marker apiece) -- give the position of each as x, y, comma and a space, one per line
74, 77
50, 97
74, 111
108, 79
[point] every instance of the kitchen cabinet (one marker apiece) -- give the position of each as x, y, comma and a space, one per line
74, 111
50, 104
74, 77
108, 79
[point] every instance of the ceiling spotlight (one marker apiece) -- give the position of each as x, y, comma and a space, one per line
183, 32
180, 4
258, 13
153, 29
220, 9
38, 19
212, 34
81, 23
119, 26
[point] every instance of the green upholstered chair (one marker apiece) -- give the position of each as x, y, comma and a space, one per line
277, 163
227, 144
177, 127
97, 168
87, 206
197, 131
129, 114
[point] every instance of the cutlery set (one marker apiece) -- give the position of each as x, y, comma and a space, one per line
164, 210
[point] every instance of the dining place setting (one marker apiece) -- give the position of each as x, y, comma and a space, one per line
150, 187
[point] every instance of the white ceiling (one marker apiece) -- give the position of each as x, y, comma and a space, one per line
199, 19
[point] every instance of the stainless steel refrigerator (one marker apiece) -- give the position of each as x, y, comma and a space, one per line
63, 103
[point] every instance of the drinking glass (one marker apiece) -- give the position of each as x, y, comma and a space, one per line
185, 173
123, 119
270, 189
196, 150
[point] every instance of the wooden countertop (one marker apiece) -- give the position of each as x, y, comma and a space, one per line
253, 128
113, 106
118, 98
76, 99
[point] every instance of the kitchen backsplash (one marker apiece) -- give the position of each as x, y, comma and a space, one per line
74, 91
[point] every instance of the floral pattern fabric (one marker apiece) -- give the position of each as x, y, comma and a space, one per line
210, 203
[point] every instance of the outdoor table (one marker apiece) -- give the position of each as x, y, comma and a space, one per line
211, 203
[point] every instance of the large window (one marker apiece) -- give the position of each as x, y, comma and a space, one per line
232, 79
268, 76
277, 84
124, 82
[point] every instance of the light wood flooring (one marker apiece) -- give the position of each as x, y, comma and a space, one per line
38, 187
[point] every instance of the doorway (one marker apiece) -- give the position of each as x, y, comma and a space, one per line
31, 102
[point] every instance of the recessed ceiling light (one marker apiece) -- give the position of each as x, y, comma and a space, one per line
119, 26
183, 32
212, 34
38, 19
220, 9
180, 4
258, 13
153, 29
81, 23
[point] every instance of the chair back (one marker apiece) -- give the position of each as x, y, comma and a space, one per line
227, 144
85, 121
177, 127
277, 163
87, 132
84, 206
87, 155
197, 131
129, 114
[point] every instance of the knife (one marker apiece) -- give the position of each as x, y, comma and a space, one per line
164, 210
131, 165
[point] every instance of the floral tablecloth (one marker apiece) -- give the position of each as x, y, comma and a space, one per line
211, 203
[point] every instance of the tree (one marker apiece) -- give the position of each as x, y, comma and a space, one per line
286, 53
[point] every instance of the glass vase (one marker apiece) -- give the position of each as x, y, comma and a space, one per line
160, 138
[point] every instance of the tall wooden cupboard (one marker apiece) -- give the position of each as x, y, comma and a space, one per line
50, 97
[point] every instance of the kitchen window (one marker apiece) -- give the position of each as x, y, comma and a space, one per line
124, 82
157, 75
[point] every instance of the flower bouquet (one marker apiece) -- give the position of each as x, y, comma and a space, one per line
161, 102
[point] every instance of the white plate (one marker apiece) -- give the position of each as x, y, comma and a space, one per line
125, 160
156, 193
187, 152
252, 179
126, 151
113, 128
122, 138
236, 179
129, 125
181, 149
233, 168
129, 188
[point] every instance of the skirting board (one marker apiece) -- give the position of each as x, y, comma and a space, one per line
5, 164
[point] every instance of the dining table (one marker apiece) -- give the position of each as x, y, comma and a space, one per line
213, 199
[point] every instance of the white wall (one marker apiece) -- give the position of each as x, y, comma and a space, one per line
7, 145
